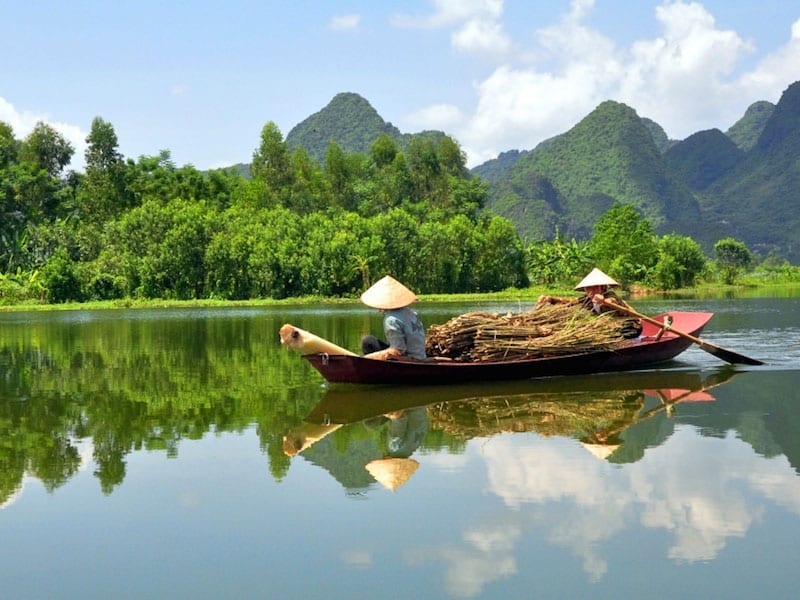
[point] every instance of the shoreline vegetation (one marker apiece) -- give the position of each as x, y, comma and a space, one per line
528, 294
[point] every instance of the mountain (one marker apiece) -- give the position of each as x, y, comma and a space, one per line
746, 131
662, 142
496, 169
744, 183
609, 156
352, 122
758, 201
703, 158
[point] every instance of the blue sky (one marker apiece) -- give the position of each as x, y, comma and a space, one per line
202, 78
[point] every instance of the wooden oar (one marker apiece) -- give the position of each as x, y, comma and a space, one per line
726, 355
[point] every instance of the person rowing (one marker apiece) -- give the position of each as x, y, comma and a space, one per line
599, 297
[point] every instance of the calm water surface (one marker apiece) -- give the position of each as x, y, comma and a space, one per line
184, 454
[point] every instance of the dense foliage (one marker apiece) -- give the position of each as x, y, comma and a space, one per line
329, 215
149, 229
624, 246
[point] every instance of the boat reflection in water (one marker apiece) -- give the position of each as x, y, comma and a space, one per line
383, 427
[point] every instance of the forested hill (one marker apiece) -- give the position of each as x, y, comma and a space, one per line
744, 183
758, 200
610, 156
352, 123
706, 186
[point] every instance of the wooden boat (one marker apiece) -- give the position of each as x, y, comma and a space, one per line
655, 345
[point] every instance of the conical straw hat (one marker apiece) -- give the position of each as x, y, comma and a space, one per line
388, 293
596, 277
302, 437
601, 451
392, 472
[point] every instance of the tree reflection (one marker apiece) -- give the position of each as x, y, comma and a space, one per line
142, 385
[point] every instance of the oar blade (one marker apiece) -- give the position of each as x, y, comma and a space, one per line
729, 355
726, 355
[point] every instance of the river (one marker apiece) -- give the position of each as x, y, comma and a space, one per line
184, 453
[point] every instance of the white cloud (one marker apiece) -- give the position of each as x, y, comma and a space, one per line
486, 556
449, 12
344, 22
484, 38
23, 122
438, 116
542, 89
478, 29
179, 89
358, 559
773, 73
665, 77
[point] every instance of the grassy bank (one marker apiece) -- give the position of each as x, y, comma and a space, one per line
530, 294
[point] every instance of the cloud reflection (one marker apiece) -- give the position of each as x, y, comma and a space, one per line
563, 494
701, 505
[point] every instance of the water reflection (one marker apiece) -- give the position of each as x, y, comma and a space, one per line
383, 426
578, 464
194, 428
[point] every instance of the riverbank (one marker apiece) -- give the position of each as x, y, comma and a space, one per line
529, 294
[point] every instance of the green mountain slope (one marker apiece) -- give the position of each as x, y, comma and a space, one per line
746, 131
351, 122
745, 183
610, 156
663, 143
703, 157
497, 168
759, 200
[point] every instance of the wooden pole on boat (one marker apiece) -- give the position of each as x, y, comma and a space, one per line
726, 355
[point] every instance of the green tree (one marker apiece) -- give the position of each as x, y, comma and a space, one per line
501, 258
558, 261
276, 263
733, 258
103, 193
624, 244
61, 279
271, 161
9, 146
425, 171
452, 159
398, 233
383, 151
36, 178
47, 149
337, 170
680, 262
309, 190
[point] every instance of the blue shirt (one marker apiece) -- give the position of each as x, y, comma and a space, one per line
405, 332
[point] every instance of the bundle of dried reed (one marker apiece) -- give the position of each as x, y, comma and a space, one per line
545, 330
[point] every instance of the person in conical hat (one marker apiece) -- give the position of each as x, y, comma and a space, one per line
405, 333
596, 278
597, 290
596, 287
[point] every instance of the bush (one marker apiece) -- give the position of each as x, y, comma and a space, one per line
61, 279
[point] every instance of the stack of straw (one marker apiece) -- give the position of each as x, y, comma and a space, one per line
545, 330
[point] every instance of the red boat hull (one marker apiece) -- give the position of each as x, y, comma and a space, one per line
630, 354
